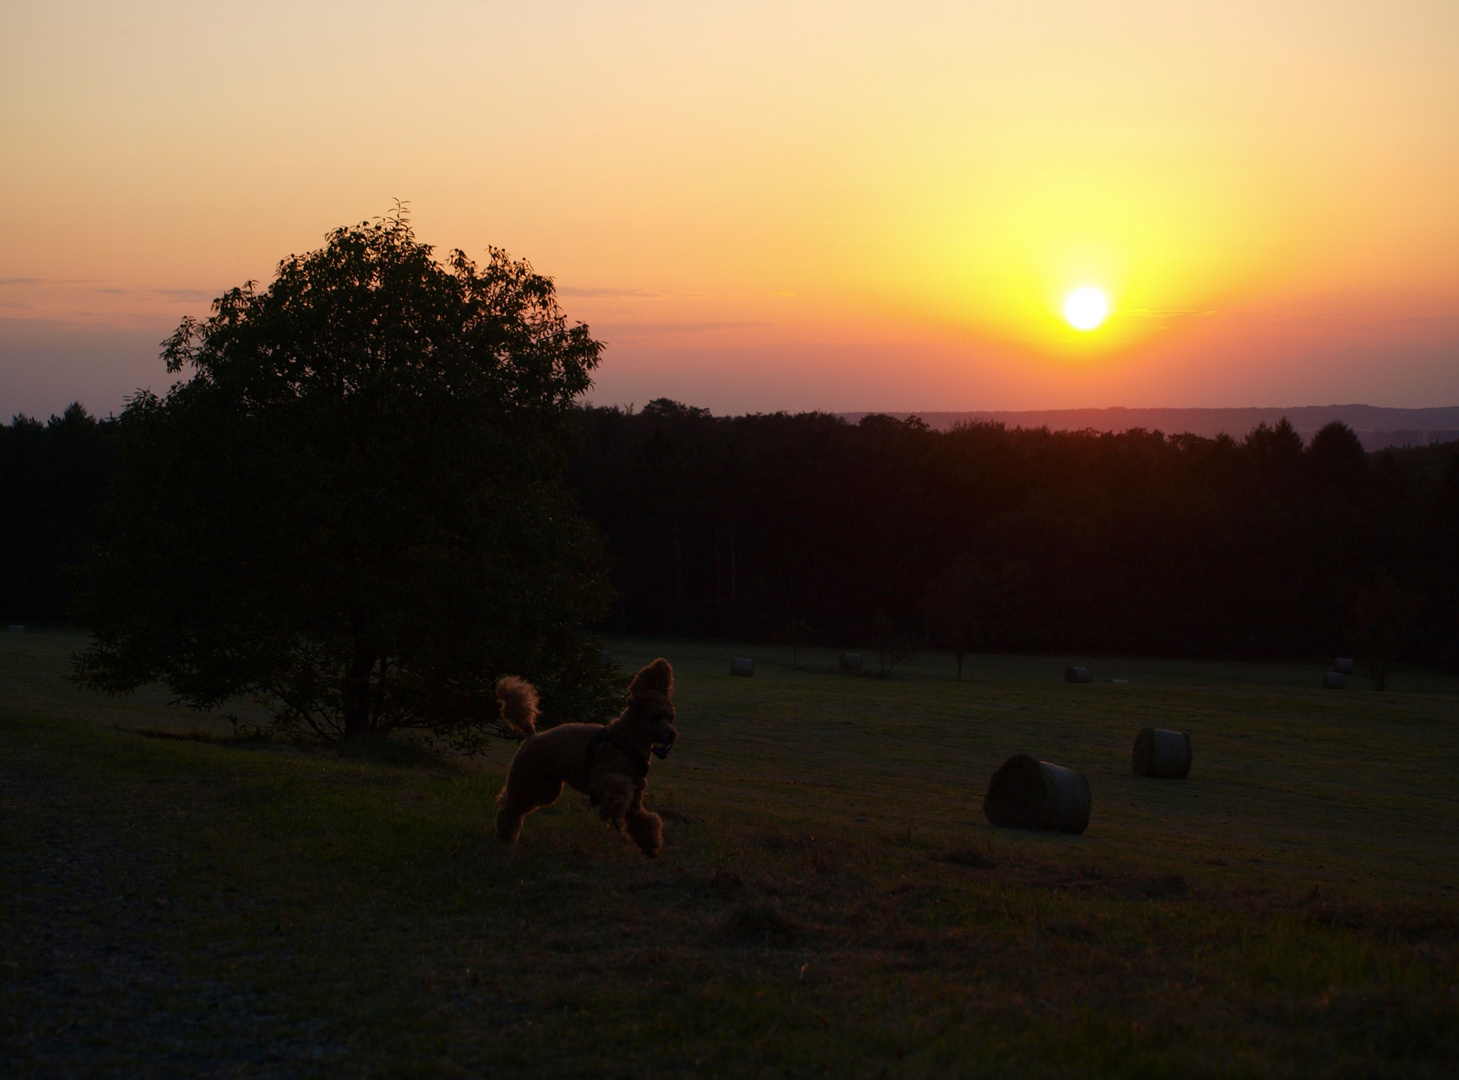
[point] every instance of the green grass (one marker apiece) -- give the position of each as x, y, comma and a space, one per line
820, 907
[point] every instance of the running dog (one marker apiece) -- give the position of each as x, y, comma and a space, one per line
608, 763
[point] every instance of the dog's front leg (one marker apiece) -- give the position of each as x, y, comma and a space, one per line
644, 827
613, 793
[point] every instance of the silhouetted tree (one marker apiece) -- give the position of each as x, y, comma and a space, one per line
893, 643
353, 509
1383, 614
1336, 457
954, 610
795, 634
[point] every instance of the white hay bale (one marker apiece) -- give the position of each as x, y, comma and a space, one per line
1163, 753
850, 661
1118, 682
1333, 680
1026, 793
742, 665
17, 628
1343, 665
1077, 674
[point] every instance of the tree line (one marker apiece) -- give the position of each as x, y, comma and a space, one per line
52, 476
888, 535
892, 535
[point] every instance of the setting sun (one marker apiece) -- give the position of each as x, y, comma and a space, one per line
886, 208
1086, 308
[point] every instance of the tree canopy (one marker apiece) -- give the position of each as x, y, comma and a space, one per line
353, 508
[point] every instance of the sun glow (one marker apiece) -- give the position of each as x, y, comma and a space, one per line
1086, 308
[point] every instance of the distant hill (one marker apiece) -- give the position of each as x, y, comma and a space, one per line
1376, 427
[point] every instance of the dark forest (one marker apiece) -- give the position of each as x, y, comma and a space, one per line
52, 477
984, 538
886, 534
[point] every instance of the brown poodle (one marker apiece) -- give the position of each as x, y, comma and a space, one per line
608, 764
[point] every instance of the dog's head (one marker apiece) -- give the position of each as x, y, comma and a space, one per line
651, 704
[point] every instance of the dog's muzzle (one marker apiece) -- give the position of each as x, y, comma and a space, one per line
665, 743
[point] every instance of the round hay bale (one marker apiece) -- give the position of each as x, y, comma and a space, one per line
1343, 665
17, 628
1077, 674
850, 661
1026, 793
742, 665
1333, 680
1163, 753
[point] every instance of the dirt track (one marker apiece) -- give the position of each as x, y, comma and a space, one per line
87, 985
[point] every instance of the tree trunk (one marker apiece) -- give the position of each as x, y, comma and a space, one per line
732, 565
678, 569
356, 696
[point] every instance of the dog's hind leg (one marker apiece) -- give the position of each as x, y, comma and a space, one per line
508, 825
518, 799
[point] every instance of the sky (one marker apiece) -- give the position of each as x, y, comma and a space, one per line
765, 206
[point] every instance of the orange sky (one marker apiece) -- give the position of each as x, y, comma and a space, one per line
771, 206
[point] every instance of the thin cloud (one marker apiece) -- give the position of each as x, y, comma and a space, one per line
30, 281
662, 328
1419, 319
185, 294
569, 290
103, 287
1158, 313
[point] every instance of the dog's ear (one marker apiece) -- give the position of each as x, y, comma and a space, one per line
656, 676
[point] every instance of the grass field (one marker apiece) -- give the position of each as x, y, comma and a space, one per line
830, 902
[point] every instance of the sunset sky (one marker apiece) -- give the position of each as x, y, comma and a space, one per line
770, 206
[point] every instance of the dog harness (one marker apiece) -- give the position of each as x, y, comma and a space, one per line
638, 759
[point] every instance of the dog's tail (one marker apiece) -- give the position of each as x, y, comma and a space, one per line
518, 701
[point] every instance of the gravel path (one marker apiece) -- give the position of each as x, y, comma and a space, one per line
89, 985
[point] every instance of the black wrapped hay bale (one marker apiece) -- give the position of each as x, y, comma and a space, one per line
850, 661
1343, 665
1333, 680
742, 665
1077, 674
1163, 753
1026, 793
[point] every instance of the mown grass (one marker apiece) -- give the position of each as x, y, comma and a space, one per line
831, 900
